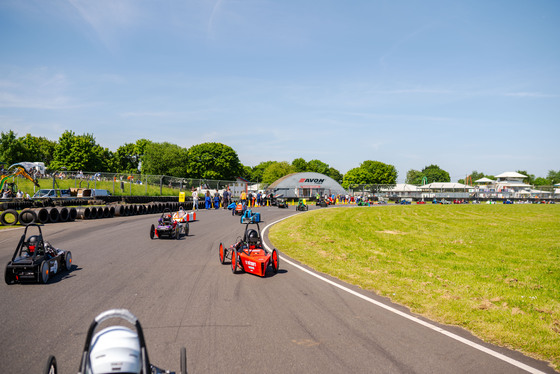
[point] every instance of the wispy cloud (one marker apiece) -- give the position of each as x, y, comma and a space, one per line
107, 18
530, 94
215, 10
34, 89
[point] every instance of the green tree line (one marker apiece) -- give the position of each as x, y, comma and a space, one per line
215, 161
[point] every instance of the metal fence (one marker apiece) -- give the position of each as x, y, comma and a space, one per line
389, 191
133, 184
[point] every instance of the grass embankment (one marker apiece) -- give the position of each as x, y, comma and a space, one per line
113, 187
492, 269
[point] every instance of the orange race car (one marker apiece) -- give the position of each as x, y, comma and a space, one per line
248, 254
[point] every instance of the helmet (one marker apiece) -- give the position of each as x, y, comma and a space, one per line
252, 236
115, 349
32, 242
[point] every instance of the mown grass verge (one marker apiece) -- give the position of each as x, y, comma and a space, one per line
492, 269
114, 188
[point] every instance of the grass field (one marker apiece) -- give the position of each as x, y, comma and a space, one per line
113, 187
492, 269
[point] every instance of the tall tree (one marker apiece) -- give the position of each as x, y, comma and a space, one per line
370, 172
434, 173
300, 165
164, 159
213, 161
277, 170
380, 172
355, 176
335, 174
414, 177
317, 166
79, 152
12, 149
128, 156
553, 176
257, 172
38, 149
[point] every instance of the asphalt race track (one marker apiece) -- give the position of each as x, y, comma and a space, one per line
289, 322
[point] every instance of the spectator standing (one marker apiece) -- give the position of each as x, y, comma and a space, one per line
208, 200
195, 199
226, 198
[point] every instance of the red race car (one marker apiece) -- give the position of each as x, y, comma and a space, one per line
248, 254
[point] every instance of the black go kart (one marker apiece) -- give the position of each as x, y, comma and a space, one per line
116, 349
36, 260
281, 203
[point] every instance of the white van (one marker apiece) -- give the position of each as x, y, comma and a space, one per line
100, 193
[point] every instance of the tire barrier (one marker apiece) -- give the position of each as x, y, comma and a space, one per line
119, 210
83, 212
93, 212
72, 214
60, 213
9, 217
54, 215
42, 215
99, 212
63, 214
27, 217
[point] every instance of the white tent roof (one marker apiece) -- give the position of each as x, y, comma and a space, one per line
445, 186
483, 180
402, 187
511, 174
540, 192
512, 184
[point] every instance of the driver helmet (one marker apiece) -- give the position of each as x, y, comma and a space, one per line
115, 349
33, 242
252, 236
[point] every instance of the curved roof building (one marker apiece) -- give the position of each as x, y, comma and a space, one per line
307, 184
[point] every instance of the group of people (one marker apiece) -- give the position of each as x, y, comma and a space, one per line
258, 199
213, 201
8, 194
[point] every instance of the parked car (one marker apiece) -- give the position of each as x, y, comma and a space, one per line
51, 193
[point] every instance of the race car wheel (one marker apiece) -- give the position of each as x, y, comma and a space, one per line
68, 260
177, 233
222, 254
51, 366
9, 276
233, 261
187, 229
44, 272
274, 261
152, 231
183, 360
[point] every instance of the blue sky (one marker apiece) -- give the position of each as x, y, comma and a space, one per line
467, 85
